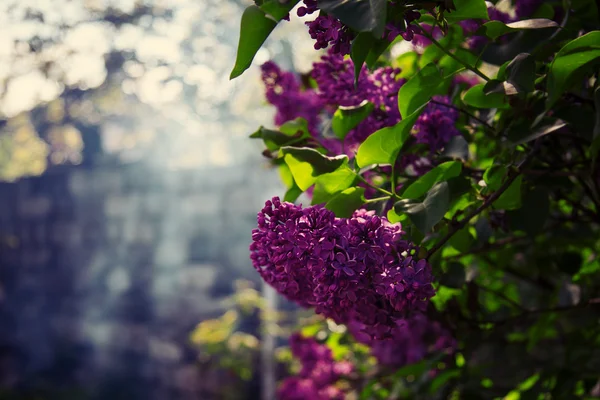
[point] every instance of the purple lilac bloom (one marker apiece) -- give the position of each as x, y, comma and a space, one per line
327, 30
437, 124
309, 7
318, 374
526, 8
405, 29
284, 92
422, 40
335, 79
411, 340
356, 268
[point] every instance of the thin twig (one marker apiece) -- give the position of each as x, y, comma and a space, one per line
512, 175
466, 113
449, 54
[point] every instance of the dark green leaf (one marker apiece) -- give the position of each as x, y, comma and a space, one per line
254, 30
494, 176
524, 134
511, 198
427, 214
347, 118
383, 146
360, 15
328, 185
570, 262
346, 202
502, 87
495, 29
441, 173
361, 46
457, 147
290, 132
454, 277
307, 164
377, 49
521, 73
461, 240
476, 97
596, 133
467, 9
577, 56
420, 88
532, 216
278, 9
292, 194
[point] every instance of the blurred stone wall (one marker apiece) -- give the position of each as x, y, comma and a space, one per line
104, 272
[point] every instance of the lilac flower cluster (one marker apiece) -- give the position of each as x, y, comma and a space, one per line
437, 124
283, 90
309, 7
411, 340
526, 8
405, 29
335, 79
349, 269
318, 374
328, 30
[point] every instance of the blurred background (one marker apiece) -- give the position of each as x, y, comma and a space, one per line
128, 190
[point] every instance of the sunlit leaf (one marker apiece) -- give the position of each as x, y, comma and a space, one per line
347, 118
441, 173
346, 202
255, 27
383, 146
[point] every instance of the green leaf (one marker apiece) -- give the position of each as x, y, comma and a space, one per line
383, 146
408, 64
468, 9
454, 277
288, 180
377, 49
307, 164
457, 147
511, 198
254, 30
420, 88
578, 56
278, 9
347, 118
290, 132
441, 173
361, 46
394, 217
495, 29
297, 126
521, 73
532, 216
461, 240
330, 184
494, 176
427, 214
476, 97
360, 15
346, 202
520, 135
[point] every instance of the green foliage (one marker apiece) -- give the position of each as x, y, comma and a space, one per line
507, 211
383, 146
346, 118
